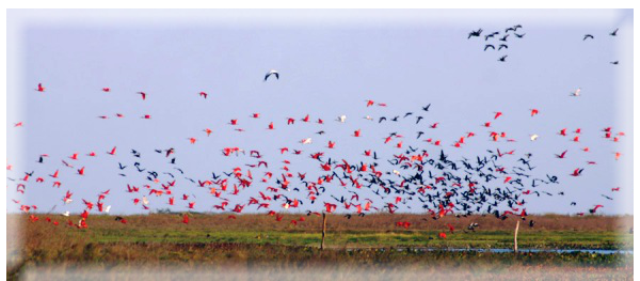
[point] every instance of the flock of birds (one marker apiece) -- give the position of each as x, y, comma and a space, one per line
484, 184
502, 44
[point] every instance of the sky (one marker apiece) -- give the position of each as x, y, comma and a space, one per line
330, 63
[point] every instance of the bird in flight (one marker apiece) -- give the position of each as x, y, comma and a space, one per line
614, 33
40, 88
503, 58
272, 72
475, 33
576, 93
587, 36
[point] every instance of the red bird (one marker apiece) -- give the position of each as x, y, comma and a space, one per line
113, 151
498, 114
435, 125
234, 122
106, 89
40, 87
185, 219
563, 132
331, 144
256, 115
143, 94
203, 94
356, 133
593, 211
370, 103
534, 112
451, 229
81, 171
561, 155
577, 172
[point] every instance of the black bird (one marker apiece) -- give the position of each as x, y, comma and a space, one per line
122, 167
486, 37
426, 108
135, 153
395, 119
348, 216
418, 119
587, 36
475, 33
531, 223
520, 35
408, 114
420, 133
574, 203
503, 46
382, 119
320, 133
119, 218
503, 58
614, 62
489, 46
510, 29
504, 39
614, 33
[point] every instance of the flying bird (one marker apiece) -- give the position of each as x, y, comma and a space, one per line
272, 72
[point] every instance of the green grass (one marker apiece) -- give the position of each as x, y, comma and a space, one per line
367, 239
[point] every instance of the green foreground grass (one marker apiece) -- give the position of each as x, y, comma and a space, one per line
161, 241
366, 239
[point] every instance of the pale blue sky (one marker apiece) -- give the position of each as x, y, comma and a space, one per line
330, 63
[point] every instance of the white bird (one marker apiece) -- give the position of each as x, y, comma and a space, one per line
368, 118
272, 72
106, 210
534, 137
145, 201
576, 93
306, 141
396, 172
66, 214
342, 118
67, 200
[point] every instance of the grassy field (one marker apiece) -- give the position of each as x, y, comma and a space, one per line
374, 231
162, 240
